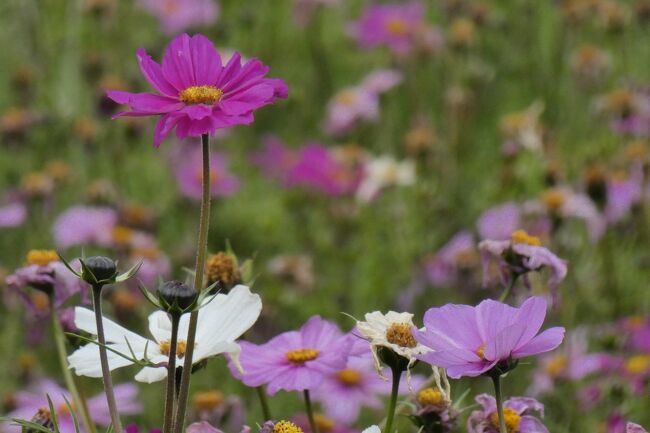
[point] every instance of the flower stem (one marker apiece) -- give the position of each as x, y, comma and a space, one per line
59, 340
264, 402
204, 222
103, 358
511, 285
170, 391
496, 379
310, 412
397, 375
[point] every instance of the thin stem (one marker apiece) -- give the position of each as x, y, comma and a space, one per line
59, 340
397, 375
511, 285
496, 379
170, 392
310, 412
264, 402
204, 223
103, 358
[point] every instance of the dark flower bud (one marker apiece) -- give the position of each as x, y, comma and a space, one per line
177, 297
396, 362
103, 270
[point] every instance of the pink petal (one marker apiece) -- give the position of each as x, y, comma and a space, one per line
164, 127
248, 101
531, 316
153, 74
177, 63
544, 342
206, 61
145, 102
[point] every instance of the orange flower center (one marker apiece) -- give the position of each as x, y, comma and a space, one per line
165, 348
397, 27
286, 427
41, 257
349, 376
481, 351
521, 237
201, 95
401, 335
300, 356
511, 418
208, 400
430, 397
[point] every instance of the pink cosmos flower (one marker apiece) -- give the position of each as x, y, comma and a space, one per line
29, 402
84, 225
12, 215
623, 195
197, 94
634, 428
442, 268
178, 15
519, 256
359, 103
470, 341
205, 427
394, 25
516, 414
189, 175
295, 360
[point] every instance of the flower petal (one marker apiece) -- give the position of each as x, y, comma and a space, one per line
206, 61
177, 64
153, 74
544, 342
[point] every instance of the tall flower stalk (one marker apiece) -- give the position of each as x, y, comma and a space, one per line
310, 412
170, 398
397, 375
496, 379
199, 269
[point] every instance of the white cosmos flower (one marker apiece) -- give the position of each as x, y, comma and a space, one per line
221, 321
372, 429
382, 172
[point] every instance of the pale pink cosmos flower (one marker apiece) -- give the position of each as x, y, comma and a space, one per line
499, 222
179, 15
189, 175
85, 225
517, 413
12, 215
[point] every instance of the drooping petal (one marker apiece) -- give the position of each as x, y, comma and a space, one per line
544, 342
530, 424
164, 127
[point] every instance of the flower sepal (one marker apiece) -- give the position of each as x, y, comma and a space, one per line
175, 304
502, 368
396, 362
99, 270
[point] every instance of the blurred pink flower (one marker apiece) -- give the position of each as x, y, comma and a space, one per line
499, 222
443, 267
624, 194
29, 402
197, 94
517, 412
394, 25
85, 225
189, 175
13, 215
179, 15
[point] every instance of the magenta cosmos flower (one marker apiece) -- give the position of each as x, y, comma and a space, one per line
295, 360
179, 15
197, 94
516, 412
189, 175
470, 341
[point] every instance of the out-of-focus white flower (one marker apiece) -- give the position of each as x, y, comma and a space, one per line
382, 172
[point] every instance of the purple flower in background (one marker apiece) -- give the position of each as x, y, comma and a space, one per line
45, 272
317, 167
197, 94
624, 194
179, 15
29, 402
304, 10
205, 427
516, 413
275, 159
189, 175
295, 360
12, 215
85, 225
359, 103
133, 428
518, 256
470, 341
634, 428
393, 25
460, 251
499, 222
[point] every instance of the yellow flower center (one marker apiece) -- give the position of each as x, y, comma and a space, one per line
481, 351
397, 27
512, 420
122, 235
41, 257
124, 300
324, 423
346, 97
165, 347
637, 364
286, 427
521, 237
214, 175
401, 335
349, 376
201, 95
300, 356
208, 400
222, 267
431, 397
553, 199
40, 301
556, 365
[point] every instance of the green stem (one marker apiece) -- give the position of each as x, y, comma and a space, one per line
496, 379
397, 375
264, 402
310, 412
103, 358
204, 223
59, 340
170, 391
508, 289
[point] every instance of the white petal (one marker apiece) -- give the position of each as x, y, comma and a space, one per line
160, 326
85, 361
372, 429
151, 374
84, 319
